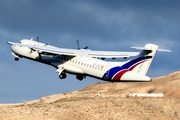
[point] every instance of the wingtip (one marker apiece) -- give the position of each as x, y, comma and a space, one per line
11, 43
8, 42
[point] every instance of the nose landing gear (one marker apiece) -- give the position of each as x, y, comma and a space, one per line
62, 75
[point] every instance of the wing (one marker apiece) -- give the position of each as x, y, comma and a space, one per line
73, 52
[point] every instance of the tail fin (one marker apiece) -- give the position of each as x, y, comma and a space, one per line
144, 58
135, 69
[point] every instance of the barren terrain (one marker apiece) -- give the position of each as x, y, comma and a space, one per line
104, 101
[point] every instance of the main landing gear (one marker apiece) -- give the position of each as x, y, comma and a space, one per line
79, 77
62, 75
16, 59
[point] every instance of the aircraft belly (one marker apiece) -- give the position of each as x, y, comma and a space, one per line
94, 73
73, 69
132, 76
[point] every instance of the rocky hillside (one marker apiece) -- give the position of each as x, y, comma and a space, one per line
104, 101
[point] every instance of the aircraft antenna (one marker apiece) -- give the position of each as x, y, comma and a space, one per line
77, 41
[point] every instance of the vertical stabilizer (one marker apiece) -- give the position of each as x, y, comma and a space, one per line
148, 53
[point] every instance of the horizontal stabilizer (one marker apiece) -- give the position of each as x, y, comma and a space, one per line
149, 49
164, 50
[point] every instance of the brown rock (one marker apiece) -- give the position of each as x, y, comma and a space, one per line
104, 101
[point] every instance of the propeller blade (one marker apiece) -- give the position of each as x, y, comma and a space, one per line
77, 41
37, 38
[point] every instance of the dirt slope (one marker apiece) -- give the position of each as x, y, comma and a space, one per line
104, 101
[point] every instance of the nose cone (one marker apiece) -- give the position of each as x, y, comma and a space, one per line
17, 49
15, 53
23, 51
14, 48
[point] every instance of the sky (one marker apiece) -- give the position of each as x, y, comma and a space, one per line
99, 24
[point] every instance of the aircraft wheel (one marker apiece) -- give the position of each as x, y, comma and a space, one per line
79, 77
62, 76
16, 59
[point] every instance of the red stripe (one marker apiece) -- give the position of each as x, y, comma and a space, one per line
131, 68
119, 75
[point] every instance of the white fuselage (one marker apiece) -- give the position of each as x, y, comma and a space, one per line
79, 64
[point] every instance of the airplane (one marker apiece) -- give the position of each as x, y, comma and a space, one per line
86, 62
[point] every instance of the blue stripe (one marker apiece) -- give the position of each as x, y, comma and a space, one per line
129, 64
111, 72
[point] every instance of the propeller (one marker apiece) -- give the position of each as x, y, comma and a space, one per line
85, 47
37, 38
77, 41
